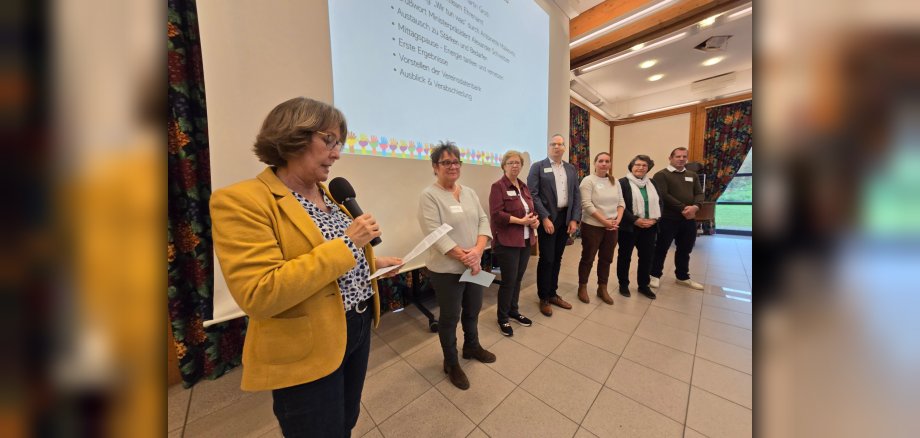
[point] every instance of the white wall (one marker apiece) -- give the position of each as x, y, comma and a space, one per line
598, 139
655, 138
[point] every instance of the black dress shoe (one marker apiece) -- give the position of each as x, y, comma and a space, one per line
647, 291
624, 290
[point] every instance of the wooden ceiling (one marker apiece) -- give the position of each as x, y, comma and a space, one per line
675, 16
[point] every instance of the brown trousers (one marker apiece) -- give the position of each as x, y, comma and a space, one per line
600, 242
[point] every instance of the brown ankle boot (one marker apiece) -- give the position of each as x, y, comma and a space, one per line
456, 376
583, 293
602, 293
479, 353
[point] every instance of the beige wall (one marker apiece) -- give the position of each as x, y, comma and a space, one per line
598, 138
655, 138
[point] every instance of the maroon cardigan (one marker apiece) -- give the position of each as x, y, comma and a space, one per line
502, 206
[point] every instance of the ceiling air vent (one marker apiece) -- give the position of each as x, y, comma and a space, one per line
713, 44
714, 83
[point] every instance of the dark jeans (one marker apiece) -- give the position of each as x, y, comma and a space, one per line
683, 233
597, 241
459, 302
644, 240
329, 407
512, 262
551, 248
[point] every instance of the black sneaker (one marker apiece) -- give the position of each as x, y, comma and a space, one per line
506, 329
624, 290
521, 319
647, 291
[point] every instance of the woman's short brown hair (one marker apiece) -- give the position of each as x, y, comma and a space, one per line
508, 156
287, 129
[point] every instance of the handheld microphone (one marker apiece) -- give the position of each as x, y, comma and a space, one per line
343, 193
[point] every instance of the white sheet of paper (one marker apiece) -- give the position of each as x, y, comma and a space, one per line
482, 278
421, 247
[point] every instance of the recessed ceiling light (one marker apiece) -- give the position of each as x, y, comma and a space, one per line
638, 47
648, 64
654, 78
709, 21
713, 61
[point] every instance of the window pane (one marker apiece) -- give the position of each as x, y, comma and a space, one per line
741, 188
734, 217
748, 165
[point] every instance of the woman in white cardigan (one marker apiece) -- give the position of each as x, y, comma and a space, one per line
602, 209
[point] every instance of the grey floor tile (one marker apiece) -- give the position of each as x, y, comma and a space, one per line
522, 414
429, 415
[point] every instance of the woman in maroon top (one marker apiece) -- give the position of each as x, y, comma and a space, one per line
514, 231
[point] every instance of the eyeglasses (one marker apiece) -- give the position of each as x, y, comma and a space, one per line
513, 163
331, 143
557, 144
450, 163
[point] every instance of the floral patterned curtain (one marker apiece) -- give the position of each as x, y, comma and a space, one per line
727, 141
202, 352
579, 154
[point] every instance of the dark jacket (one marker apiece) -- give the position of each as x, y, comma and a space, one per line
543, 188
502, 206
628, 224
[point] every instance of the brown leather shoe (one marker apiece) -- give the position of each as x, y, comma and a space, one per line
557, 300
583, 293
602, 293
545, 309
480, 354
457, 376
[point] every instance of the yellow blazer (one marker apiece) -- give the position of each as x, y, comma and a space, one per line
282, 273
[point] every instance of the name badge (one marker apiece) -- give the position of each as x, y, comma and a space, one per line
600, 186
547, 170
511, 193
688, 178
456, 209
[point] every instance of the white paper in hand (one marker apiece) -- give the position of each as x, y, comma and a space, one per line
482, 278
422, 246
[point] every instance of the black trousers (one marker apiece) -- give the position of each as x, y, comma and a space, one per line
513, 263
683, 233
458, 302
643, 239
551, 248
329, 407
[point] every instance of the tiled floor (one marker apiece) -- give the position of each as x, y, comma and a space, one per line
677, 366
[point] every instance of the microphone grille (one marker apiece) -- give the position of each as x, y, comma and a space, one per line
341, 189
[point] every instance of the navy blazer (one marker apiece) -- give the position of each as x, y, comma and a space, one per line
543, 189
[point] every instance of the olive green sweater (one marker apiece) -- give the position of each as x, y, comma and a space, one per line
677, 192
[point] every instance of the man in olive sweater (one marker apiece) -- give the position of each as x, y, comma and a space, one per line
681, 194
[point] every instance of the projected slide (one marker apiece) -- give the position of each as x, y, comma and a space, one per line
409, 73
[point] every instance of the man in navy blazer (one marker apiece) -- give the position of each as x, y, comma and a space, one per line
554, 186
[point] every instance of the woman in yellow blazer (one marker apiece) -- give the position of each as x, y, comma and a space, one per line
298, 264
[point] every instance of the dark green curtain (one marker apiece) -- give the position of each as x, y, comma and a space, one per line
726, 143
210, 352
